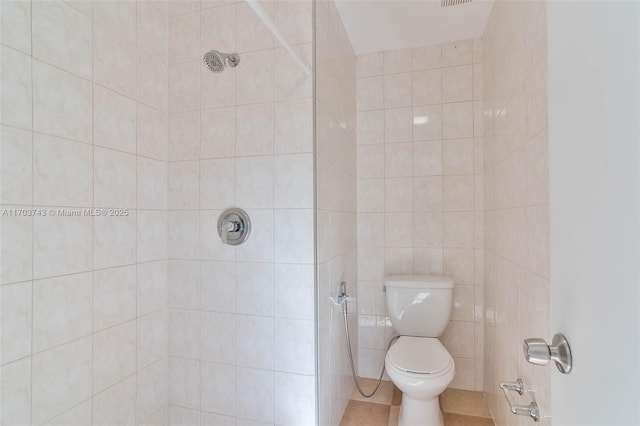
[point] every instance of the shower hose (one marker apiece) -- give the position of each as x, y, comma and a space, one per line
353, 369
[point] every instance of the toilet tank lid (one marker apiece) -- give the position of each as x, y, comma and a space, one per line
419, 281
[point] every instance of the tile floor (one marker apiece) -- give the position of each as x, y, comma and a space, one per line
460, 407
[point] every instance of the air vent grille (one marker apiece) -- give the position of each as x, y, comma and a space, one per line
446, 3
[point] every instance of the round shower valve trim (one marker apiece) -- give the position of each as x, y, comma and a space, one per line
234, 226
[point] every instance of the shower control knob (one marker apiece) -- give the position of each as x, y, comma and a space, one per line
538, 352
234, 226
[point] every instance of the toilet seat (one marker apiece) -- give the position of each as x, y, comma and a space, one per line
420, 355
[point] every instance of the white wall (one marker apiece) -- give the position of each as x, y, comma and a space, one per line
241, 319
594, 73
336, 204
516, 200
420, 191
84, 124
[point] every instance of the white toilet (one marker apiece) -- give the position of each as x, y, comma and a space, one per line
418, 364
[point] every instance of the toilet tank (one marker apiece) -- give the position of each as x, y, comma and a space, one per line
419, 305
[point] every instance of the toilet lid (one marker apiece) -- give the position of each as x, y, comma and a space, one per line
422, 355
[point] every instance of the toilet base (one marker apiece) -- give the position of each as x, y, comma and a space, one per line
418, 412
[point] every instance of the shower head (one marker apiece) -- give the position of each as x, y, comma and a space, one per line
216, 61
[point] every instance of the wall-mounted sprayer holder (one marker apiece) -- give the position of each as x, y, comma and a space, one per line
342, 295
234, 226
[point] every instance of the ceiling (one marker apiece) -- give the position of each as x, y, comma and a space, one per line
375, 25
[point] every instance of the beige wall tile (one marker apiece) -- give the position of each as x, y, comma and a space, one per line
152, 80
457, 120
184, 179
397, 125
184, 87
61, 378
17, 90
117, 16
86, 72
184, 42
427, 87
427, 123
16, 315
458, 193
398, 160
426, 57
294, 20
184, 135
254, 35
409, 164
291, 82
457, 84
114, 178
113, 60
16, 248
114, 120
293, 126
396, 61
370, 93
114, 240
61, 36
254, 129
152, 133
369, 65
217, 90
16, 391
62, 172
76, 416
457, 53
61, 103
184, 374
152, 31
52, 325
61, 246
397, 90
152, 335
114, 296
515, 181
16, 26
151, 184
114, 355
151, 241
116, 405
17, 166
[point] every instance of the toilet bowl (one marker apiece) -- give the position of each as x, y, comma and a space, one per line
419, 307
422, 369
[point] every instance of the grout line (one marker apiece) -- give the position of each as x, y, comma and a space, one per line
199, 220
137, 219
273, 224
32, 221
235, 180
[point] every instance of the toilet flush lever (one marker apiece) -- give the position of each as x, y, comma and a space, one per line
538, 352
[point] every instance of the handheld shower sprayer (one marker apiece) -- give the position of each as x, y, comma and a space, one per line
342, 301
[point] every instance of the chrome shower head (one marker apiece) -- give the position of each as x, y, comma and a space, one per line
216, 61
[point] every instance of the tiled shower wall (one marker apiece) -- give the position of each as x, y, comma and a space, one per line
516, 199
420, 191
83, 298
241, 319
336, 204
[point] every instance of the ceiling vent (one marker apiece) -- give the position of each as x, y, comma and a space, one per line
446, 3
